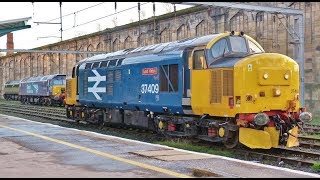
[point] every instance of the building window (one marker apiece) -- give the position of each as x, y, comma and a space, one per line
128, 43
165, 36
116, 45
202, 28
182, 32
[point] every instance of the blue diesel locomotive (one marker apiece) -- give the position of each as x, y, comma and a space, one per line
220, 88
45, 90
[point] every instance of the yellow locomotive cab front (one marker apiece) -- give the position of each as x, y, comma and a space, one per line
271, 85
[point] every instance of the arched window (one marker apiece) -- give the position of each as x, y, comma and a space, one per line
46, 64
39, 65
239, 22
99, 47
90, 48
142, 40
26, 65
165, 36
182, 32
202, 28
128, 43
116, 45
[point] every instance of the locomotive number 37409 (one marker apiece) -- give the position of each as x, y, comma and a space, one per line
149, 88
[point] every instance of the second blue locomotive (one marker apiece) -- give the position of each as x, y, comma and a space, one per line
45, 90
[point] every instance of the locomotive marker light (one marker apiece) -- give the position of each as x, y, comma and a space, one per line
265, 75
286, 76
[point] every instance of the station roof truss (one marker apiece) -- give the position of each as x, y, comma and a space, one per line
13, 25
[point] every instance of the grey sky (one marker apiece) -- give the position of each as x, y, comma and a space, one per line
75, 24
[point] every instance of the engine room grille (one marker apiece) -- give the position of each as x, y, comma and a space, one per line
227, 82
68, 86
110, 89
222, 84
110, 76
117, 76
216, 91
85, 83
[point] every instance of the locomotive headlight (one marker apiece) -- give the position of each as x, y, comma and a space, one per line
305, 116
265, 75
286, 76
261, 119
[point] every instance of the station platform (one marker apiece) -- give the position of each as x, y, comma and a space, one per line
32, 149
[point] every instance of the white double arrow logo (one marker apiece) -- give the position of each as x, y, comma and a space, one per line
35, 86
95, 89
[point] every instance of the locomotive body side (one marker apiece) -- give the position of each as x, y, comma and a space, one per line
133, 86
11, 90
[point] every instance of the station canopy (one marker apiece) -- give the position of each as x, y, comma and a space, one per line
13, 25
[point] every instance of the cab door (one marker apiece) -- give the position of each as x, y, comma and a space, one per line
200, 79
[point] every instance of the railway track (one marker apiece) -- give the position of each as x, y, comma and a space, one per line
57, 115
310, 140
312, 125
282, 156
302, 157
310, 129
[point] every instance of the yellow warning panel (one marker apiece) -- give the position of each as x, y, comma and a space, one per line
274, 135
255, 138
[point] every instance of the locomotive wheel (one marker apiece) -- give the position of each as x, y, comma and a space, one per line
233, 139
68, 113
49, 102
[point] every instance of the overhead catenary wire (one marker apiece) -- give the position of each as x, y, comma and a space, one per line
102, 17
74, 11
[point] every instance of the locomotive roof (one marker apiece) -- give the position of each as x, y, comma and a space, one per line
12, 82
40, 78
153, 49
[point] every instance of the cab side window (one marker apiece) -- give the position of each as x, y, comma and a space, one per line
198, 59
